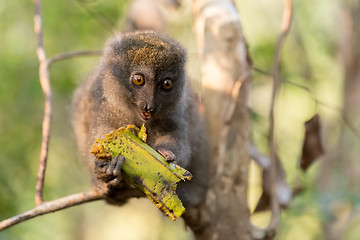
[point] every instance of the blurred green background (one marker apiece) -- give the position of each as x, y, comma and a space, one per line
310, 57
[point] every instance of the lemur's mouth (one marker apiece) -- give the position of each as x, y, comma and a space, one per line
145, 115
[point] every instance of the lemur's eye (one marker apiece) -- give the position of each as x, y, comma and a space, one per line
167, 84
137, 79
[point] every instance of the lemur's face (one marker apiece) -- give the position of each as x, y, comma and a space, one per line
150, 69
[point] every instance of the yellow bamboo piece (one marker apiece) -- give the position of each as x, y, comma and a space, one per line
144, 167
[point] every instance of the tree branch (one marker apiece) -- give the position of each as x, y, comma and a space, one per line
275, 207
52, 206
45, 84
68, 55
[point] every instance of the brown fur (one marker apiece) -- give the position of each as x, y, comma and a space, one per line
108, 100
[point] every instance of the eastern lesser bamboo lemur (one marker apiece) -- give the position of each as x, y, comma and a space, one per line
142, 79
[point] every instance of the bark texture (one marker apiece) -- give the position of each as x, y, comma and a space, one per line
226, 75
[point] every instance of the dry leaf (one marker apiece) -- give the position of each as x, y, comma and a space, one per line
312, 148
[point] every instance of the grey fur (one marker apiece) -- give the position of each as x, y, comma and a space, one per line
108, 100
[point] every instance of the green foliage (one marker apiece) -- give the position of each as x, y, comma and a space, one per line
310, 58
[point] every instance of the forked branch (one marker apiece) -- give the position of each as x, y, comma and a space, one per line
43, 207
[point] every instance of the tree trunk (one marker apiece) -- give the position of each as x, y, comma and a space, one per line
226, 76
344, 160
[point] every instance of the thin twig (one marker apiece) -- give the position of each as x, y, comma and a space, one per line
101, 18
45, 84
53, 206
63, 56
344, 115
262, 160
257, 69
275, 207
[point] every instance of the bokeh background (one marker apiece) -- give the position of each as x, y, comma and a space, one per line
313, 71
